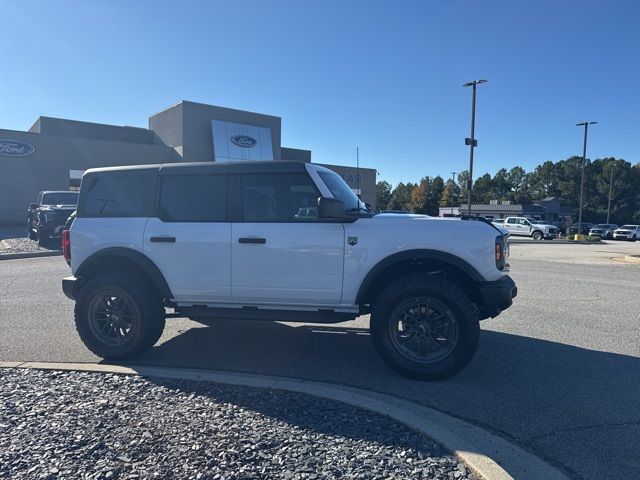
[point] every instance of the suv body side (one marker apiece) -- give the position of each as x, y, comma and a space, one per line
236, 261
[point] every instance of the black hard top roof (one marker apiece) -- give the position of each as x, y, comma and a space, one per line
201, 168
277, 166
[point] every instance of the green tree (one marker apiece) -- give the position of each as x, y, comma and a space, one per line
383, 195
433, 204
450, 195
483, 189
519, 181
401, 196
419, 194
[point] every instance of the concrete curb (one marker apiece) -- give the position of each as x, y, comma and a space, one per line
632, 258
16, 256
489, 456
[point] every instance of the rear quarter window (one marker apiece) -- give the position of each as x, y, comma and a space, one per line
115, 195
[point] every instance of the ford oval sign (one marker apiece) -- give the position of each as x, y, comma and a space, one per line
244, 141
15, 148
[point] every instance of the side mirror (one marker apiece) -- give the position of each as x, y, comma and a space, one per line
330, 208
33, 206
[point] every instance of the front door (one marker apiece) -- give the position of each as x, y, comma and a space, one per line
189, 241
282, 253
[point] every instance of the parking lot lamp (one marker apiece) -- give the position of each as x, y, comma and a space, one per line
584, 160
472, 142
613, 165
453, 188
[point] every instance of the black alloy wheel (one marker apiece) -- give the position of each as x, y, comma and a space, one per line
423, 330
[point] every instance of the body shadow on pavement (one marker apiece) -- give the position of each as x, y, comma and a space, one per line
578, 408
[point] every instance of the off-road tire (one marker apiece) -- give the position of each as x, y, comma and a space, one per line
465, 311
537, 235
44, 240
146, 301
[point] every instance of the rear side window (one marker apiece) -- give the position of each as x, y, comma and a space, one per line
115, 196
193, 198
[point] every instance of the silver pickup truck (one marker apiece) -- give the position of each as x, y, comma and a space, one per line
528, 227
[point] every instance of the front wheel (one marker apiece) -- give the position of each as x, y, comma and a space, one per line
119, 315
537, 235
425, 327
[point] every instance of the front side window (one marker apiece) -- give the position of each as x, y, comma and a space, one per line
279, 198
193, 198
341, 191
115, 196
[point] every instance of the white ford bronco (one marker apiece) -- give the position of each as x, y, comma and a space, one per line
280, 241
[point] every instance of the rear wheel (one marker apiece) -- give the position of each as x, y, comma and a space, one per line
44, 240
425, 327
119, 315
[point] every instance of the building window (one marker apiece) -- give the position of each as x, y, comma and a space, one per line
75, 176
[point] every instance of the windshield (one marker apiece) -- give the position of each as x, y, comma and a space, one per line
341, 191
629, 227
603, 225
60, 198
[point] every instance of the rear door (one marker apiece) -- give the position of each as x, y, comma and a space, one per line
512, 226
189, 240
283, 254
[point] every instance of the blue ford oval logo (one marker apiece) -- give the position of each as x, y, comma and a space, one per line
244, 141
15, 148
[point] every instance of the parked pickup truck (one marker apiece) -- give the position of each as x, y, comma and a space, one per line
47, 216
529, 227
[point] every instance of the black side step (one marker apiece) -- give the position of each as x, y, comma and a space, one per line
202, 313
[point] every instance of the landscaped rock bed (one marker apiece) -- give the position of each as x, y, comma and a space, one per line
90, 425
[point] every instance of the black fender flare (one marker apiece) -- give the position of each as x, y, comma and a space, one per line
417, 254
139, 259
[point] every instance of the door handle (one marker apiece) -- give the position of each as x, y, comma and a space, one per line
252, 240
163, 239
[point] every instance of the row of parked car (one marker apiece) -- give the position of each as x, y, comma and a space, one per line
607, 230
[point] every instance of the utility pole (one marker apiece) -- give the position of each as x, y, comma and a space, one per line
453, 188
584, 160
613, 165
472, 142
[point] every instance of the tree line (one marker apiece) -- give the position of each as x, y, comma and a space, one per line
560, 179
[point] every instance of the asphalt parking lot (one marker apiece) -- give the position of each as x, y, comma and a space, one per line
558, 373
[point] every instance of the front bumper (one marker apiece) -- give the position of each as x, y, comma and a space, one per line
70, 286
497, 296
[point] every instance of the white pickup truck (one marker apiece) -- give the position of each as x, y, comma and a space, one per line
528, 227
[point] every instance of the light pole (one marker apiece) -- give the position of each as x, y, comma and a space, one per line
472, 142
453, 188
613, 165
584, 160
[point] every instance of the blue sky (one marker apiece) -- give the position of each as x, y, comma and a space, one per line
385, 76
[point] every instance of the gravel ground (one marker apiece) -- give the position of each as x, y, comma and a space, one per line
20, 245
87, 425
